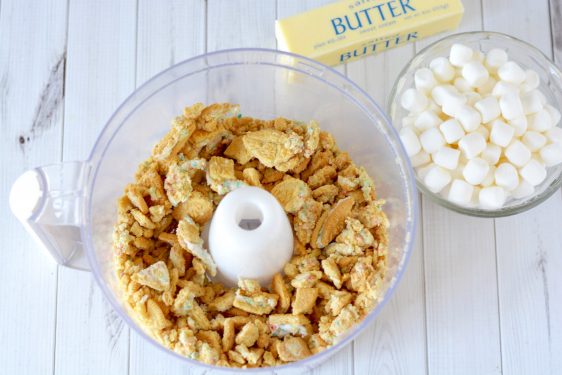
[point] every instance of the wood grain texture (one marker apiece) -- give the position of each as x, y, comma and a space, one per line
31, 112
164, 39
460, 277
91, 338
529, 245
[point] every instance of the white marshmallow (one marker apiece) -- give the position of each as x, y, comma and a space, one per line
446, 157
520, 125
472, 97
475, 73
490, 177
414, 100
436, 178
427, 119
487, 87
540, 121
523, 190
422, 171
475, 200
484, 131
501, 133
492, 197
506, 176
533, 172
408, 121
553, 134
460, 192
410, 141
432, 106
491, 153
554, 114
501, 88
420, 159
475, 171
533, 140
495, 58
489, 108
517, 153
551, 154
442, 69
512, 72
469, 118
478, 56
531, 82
452, 130
424, 79
432, 140
451, 108
460, 54
461, 84
532, 102
442, 94
472, 145
511, 106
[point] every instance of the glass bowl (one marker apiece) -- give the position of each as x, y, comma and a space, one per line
71, 207
524, 54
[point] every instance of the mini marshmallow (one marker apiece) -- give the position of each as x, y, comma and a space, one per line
506, 176
491, 153
553, 134
554, 114
517, 153
512, 72
424, 79
475, 200
511, 106
432, 140
410, 141
523, 190
533, 172
469, 118
460, 55
484, 131
531, 82
489, 108
501, 133
452, 130
408, 121
426, 120
495, 58
442, 94
533, 140
475, 171
532, 102
551, 154
520, 125
472, 97
472, 145
490, 177
446, 157
487, 87
540, 121
420, 159
501, 88
461, 84
442, 69
422, 171
414, 100
475, 73
436, 178
492, 197
460, 192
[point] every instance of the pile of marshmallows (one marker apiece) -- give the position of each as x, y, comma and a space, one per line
479, 130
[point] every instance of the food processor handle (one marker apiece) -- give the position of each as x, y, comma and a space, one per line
49, 201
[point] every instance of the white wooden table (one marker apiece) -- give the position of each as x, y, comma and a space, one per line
479, 296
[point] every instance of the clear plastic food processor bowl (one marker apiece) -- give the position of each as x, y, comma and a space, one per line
71, 207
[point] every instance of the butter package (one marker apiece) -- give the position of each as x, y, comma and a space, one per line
349, 29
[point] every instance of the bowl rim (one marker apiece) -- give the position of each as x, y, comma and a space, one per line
535, 200
410, 222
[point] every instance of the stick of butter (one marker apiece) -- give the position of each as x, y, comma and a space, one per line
349, 29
